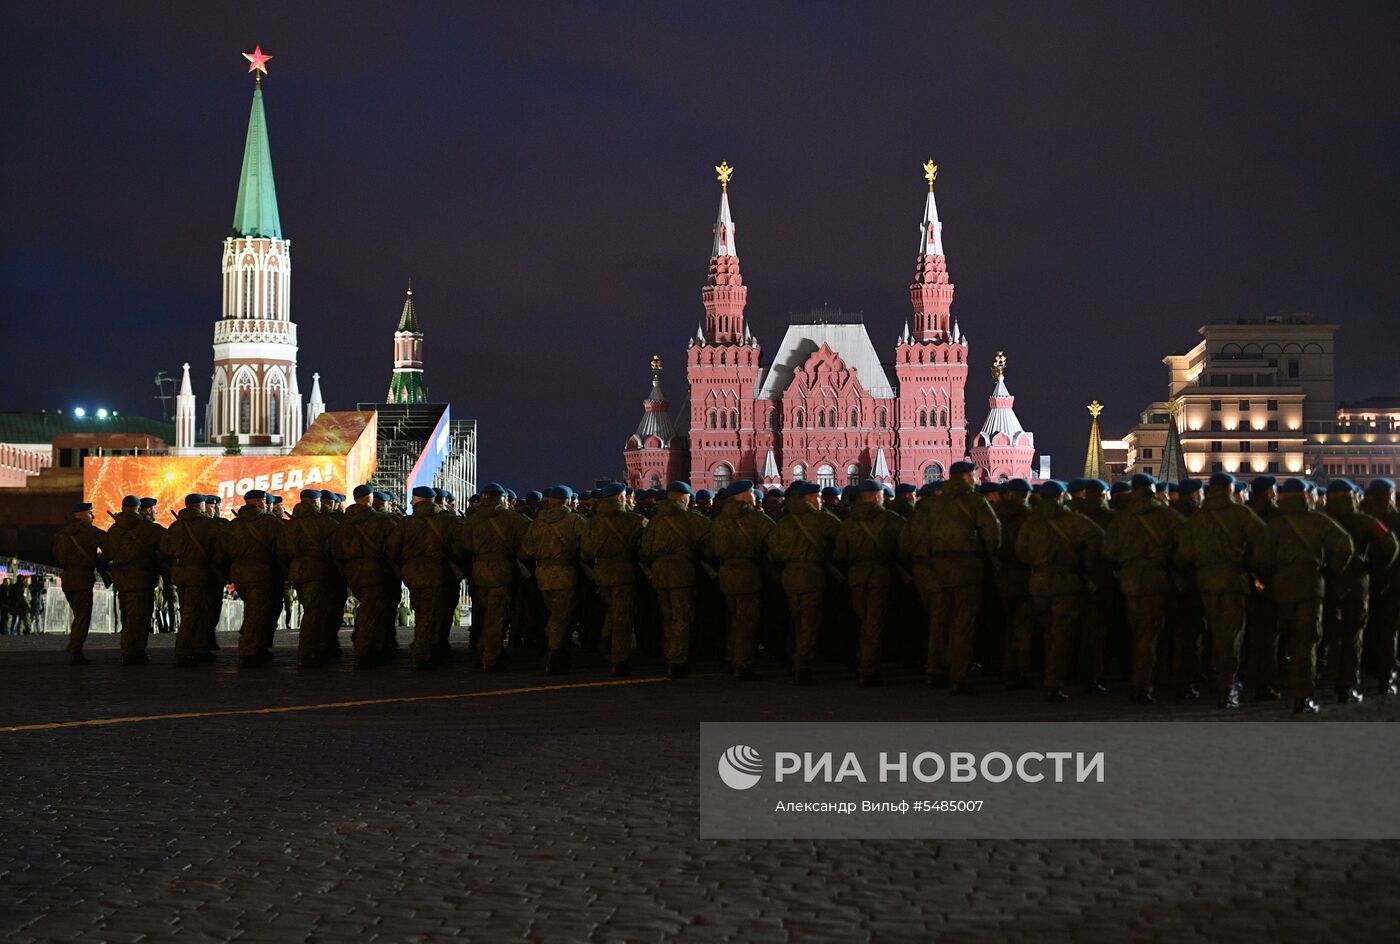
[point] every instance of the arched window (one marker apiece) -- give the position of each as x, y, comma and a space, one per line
821, 419
923, 417
826, 475
248, 292
733, 419
245, 411
721, 358
271, 295
933, 472
797, 420
710, 420
274, 413
855, 418
852, 474
722, 477
943, 418
833, 417
1003, 477
655, 481
882, 418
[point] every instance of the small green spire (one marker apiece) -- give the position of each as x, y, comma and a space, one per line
256, 212
408, 321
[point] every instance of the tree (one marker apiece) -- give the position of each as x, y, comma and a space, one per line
231, 446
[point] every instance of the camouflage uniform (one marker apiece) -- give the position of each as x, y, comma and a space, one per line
610, 542
77, 548
250, 545
1218, 539
1101, 607
361, 545
1061, 546
552, 542
192, 549
1013, 582
491, 536
671, 548
1298, 549
1384, 629
423, 546
132, 545
952, 536
1141, 541
738, 540
801, 543
1347, 600
304, 543
868, 544
1261, 640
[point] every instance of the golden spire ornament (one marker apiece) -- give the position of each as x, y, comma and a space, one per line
725, 172
998, 365
930, 173
1095, 409
656, 368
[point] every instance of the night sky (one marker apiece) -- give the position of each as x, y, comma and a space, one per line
1111, 176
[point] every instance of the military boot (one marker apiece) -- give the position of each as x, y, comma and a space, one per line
1144, 696
1095, 687
1229, 698
1386, 684
1305, 706
1056, 694
1188, 691
1349, 695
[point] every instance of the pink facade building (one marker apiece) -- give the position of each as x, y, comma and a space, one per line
825, 408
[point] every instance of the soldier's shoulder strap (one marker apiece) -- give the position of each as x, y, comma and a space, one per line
189, 533
671, 520
82, 550
1055, 526
1220, 521
1312, 549
1144, 520
811, 538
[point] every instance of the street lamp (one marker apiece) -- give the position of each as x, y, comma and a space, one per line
79, 412
101, 413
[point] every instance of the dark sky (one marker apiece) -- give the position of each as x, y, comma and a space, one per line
1112, 176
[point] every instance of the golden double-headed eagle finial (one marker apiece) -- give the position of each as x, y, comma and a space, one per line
725, 172
1095, 409
998, 365
656, 368
930, 172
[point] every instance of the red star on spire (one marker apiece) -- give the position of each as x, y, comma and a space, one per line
257, 61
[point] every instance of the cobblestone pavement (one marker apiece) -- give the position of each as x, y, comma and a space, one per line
566, 814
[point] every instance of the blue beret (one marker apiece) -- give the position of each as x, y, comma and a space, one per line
889, 492
1241, 485
1190, 486
1118, 487
275, 499
800, 488
338, 497
611, 490
905, 488
213, 499
311, 493
510, 493
81, 506
1143, 480
846, 490
927, 489
774, 493
1075, 485
194, 499
534, 495
360, 491
682, 488
559, 492
1222, 480
706, 493
989, 488
1173, 488
867, 486
830, 491
1051, 488
1095, 486
447, 494
390, 496
439, 492
1263, 481
490, 488
1340, 485
130, 501
1293, 487
962, 468
423, 491
1380, 485
743, 485
255, 494
148, 503
1018, 485
380, 496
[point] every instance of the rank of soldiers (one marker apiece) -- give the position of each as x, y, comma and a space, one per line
1240, 584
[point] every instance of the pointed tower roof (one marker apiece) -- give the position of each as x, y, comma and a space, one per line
770, 466
882, 465
1095, 463
930, 230
1001, 418
408, 321
1173, 467
724, 226
656, 420
316, 391
256, 211
186, 388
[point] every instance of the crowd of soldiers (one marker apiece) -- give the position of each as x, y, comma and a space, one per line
1238, 583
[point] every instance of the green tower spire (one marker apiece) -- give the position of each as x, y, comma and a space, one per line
256, 212
1095, 464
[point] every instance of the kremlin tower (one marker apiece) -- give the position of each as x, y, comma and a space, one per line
254, 395
407, 385
826, 409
